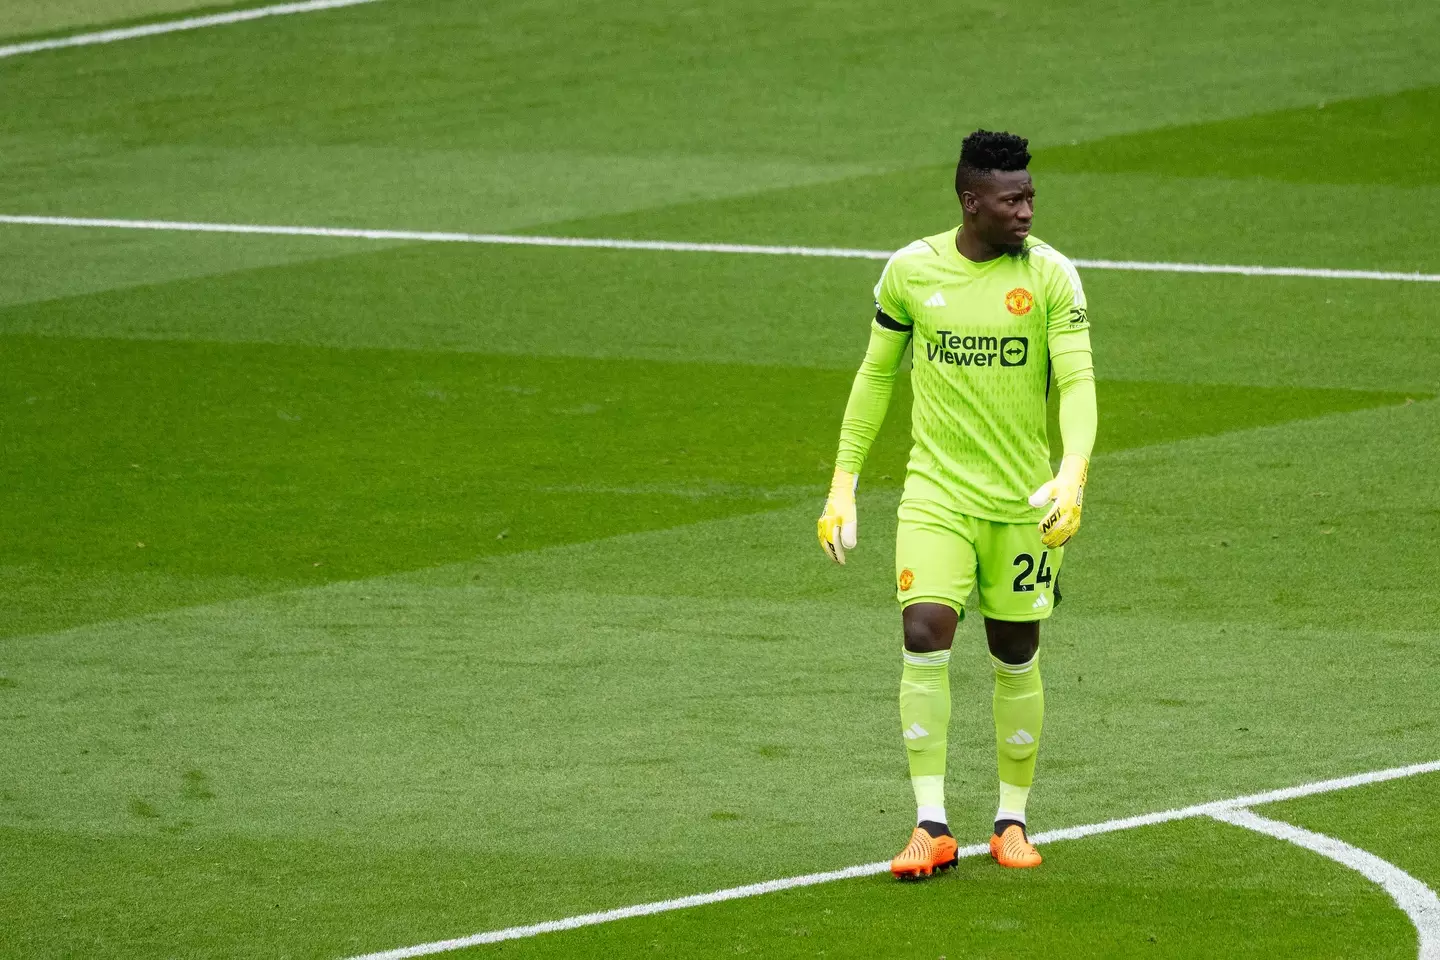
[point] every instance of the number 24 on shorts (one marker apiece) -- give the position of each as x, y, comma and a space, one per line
1027, 565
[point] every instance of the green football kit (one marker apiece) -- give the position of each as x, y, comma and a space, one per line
987, 339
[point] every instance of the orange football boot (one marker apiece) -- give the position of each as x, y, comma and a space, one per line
923, 855
1012, 849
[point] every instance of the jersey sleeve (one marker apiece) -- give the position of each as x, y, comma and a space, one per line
875, 381
1065, 304
870, 396
1068, 334
891, 311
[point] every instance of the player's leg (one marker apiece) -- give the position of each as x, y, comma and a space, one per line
935, 571
925, 703
1017, 578
1019, 710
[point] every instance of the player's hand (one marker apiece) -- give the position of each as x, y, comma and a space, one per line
837, 524
1067, 491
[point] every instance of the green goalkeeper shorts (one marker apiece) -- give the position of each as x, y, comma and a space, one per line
941, 555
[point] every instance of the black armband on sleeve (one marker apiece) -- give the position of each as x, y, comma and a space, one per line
890, 323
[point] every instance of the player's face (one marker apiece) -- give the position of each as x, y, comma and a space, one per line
1004, 205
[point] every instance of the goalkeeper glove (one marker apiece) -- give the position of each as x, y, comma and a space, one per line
1067, 490
836, 526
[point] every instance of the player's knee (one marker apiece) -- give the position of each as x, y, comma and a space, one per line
929, 627
1011, 642
1017, 651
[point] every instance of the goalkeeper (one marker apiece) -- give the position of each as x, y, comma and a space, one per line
989, 313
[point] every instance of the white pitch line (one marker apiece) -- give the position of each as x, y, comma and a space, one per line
641, 910
676, 246
1246, 271
174, 26
1217, 808
1412, 896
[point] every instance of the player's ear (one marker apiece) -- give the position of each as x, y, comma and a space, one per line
969, 202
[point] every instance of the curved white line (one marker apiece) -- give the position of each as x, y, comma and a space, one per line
1417, 900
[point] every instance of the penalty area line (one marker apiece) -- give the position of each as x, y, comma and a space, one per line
174, 26
674, 246
1219, 809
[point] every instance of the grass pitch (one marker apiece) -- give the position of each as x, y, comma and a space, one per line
358, 595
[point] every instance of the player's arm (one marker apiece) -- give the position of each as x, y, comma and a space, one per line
870, 393
1073, 367
865, 412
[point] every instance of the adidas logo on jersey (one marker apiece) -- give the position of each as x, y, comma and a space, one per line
1020, 739
1040, 601
936, 301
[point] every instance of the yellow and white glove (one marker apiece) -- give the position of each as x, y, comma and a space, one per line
836, 526
1067, 490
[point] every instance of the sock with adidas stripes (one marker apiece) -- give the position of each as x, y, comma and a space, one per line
1019, 714
925, 721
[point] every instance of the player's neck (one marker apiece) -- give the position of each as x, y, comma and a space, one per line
972, 248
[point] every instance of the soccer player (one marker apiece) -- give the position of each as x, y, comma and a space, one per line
991, 313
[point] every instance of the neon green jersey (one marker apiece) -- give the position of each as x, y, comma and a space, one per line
982, 336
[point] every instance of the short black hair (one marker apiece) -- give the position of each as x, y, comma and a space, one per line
986, 150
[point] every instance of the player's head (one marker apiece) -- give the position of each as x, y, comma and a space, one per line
995, 189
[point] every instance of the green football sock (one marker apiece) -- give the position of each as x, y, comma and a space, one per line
1019, 715
925, 717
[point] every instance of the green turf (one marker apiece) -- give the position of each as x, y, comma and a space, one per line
478, 585
471, 78
1370, 140
447, 476
400, 661
1166, 194
356, 463
501, 121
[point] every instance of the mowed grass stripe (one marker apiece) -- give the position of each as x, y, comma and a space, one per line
358, 463
677, 246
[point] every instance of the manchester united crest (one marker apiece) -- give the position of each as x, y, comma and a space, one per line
907, 579
1019, 301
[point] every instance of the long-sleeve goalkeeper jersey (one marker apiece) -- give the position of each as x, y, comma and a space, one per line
987, 338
